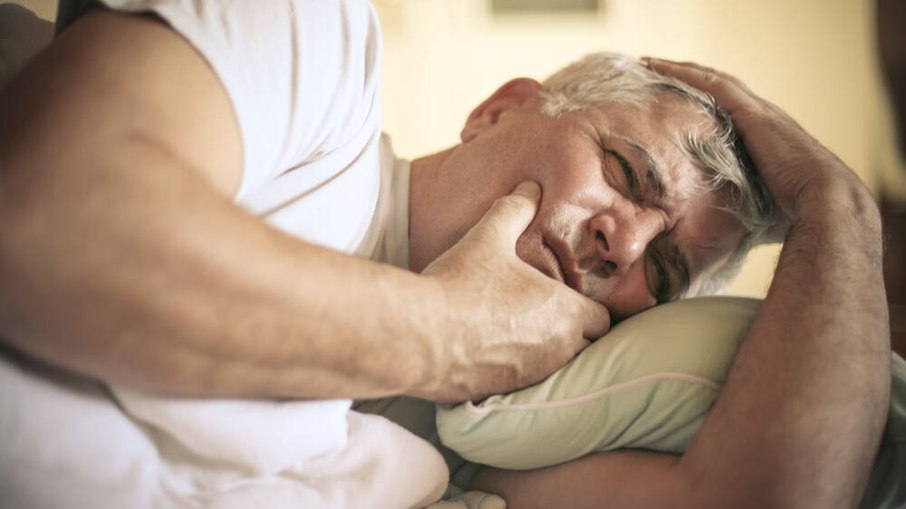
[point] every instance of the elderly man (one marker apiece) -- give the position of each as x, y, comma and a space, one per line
127, 145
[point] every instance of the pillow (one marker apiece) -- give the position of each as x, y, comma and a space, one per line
647, 384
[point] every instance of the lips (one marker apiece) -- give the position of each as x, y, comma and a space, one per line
565, 262
552, 268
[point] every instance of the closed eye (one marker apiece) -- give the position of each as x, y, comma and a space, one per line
632, 182
658, 277
667, 271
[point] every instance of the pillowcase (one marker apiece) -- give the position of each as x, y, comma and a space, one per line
647, 384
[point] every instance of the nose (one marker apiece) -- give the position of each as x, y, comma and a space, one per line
622, 235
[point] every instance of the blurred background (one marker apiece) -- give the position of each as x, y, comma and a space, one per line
817, 59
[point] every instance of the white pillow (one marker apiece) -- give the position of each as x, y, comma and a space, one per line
647, 384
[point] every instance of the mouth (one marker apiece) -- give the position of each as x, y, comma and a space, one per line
552, 269
564, 263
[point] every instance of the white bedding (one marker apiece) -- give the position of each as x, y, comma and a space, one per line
65, 439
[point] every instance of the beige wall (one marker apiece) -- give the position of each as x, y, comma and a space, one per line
812, 57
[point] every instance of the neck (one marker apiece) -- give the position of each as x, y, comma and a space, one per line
425, 197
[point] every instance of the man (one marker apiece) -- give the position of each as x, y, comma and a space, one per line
156, 280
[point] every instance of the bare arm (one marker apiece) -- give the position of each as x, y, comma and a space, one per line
122, 256
799, 420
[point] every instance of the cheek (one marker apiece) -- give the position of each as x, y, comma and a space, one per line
571, 202
566, 167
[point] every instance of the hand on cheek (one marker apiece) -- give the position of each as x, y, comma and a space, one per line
509, 325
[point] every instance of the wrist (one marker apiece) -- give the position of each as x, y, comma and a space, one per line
433, 318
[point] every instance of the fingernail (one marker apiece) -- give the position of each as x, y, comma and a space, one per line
650, 62
529, 188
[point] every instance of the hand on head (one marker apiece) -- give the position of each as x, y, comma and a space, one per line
513, 325
794, 166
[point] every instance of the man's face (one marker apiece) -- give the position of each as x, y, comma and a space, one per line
621, 217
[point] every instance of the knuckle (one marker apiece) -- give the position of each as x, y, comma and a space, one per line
715, 81
709, 71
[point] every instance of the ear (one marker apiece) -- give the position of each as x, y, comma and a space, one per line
511, 95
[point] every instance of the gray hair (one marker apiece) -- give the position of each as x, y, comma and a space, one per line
715, 148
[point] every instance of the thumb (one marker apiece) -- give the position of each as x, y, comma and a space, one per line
596, 320
510, 215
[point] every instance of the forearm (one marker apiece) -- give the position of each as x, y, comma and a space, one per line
122, 256
151, 278
612, 480
810, 382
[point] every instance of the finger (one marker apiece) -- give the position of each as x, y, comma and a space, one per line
669, 65
509, 216
729, 92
